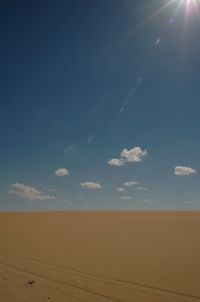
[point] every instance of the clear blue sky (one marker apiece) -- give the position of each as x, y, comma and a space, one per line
86, 82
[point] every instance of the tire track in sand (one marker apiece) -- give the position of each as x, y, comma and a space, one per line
138, 287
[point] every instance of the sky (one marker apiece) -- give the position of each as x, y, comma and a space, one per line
100, 105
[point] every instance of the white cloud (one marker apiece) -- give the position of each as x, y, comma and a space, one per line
90, 185
65, 200
180, 170
48, 189
145, 200
133, 155
126, 197
128, 156
116, 162
120, 189
131, 183
28, 192
61, 172
142, 188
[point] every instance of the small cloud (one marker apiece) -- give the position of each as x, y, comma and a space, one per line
62, 172
135, 154
49, 189
65, 200
71, 149
28, 192
142, 188
90, 185
145, 200
130, 183
126, 197
120, 190
180, 170
115, 162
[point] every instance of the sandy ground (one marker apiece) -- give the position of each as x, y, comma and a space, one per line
100, 256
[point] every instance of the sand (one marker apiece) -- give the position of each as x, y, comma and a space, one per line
100, 256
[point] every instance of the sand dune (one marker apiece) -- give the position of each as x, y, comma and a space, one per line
100, 256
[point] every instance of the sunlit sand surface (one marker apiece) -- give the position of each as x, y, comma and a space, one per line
100, 256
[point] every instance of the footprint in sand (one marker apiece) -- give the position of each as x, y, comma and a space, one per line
31, 282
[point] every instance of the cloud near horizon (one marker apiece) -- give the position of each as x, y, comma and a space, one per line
126, 197
142, 188
90, 185
181, 171
61, 172
135, 154
146, 200
120, 189
28, 192
131, 183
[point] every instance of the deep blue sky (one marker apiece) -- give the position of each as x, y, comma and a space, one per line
81, 81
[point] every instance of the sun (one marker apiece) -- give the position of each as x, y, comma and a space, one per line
185, 9
190, 5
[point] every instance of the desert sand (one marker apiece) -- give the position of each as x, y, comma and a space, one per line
100, 256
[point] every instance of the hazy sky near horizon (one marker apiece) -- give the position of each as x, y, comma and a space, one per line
100, 105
